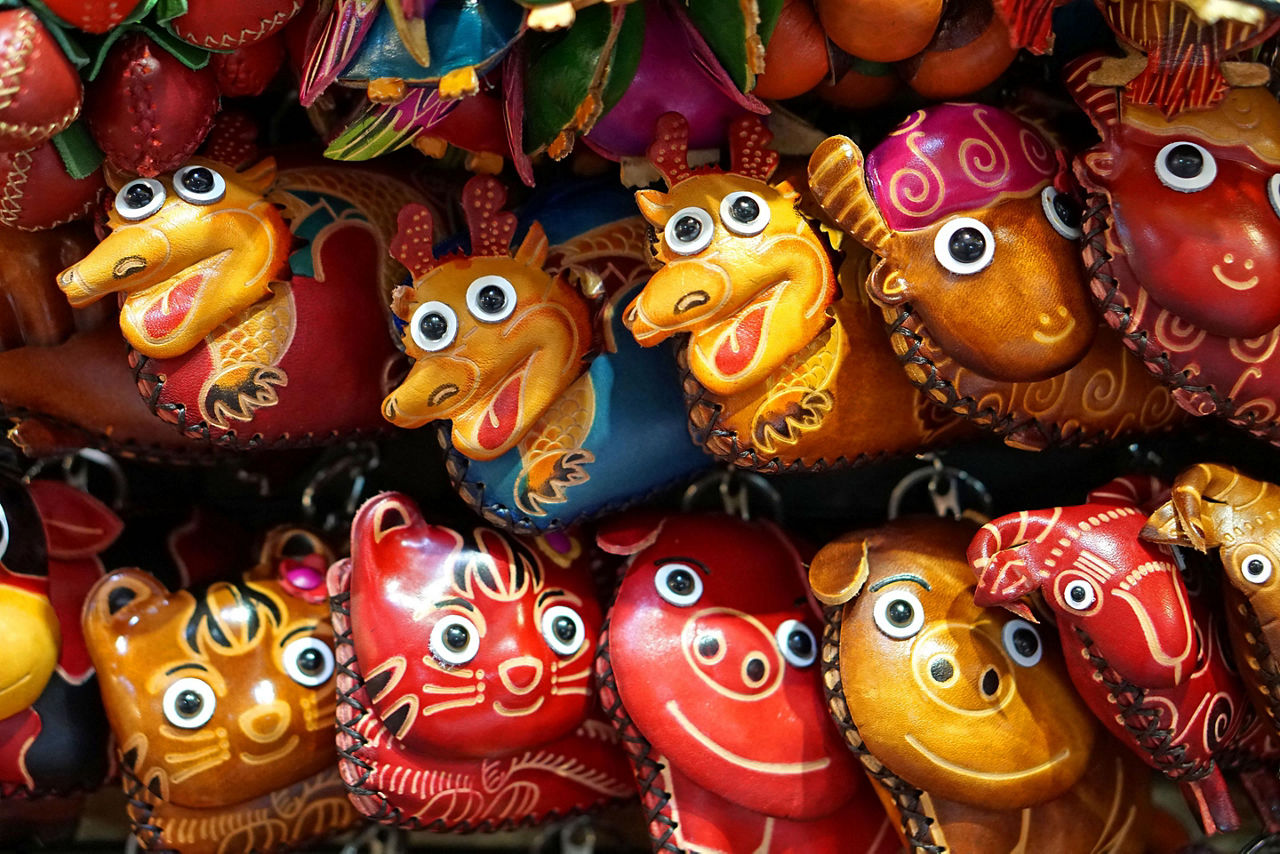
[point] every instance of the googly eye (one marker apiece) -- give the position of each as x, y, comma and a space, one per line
1063, 213
563, 630
678, 584
898, 614
1079, 595
1256, 569
1273, 193
744, 213
491, 299
199, 185
189, 703
796, 643
689, 231
454, 640
1185, 167
964, 246
4, 532
433, 326
1022, 642
139, 199
308, 661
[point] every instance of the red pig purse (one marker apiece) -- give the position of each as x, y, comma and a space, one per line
708, 668
465, 676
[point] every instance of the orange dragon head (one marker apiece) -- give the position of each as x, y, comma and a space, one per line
744, 273
496, 339
189, 251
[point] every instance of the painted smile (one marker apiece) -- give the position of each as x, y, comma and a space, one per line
779, 768
1054, 337
4, 689
993, 776
1234, 284
515, 713
266, 758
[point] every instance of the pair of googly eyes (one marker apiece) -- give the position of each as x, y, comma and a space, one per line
189, 702
965, 245
680, 585
1189, 168
900, 615
691, 229
455, 640
197, 185
434, 324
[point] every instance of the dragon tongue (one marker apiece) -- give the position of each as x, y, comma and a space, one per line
170, 309
738, 348
500, 418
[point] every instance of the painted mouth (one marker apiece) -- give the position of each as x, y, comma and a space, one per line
441, 393
779, 768
166, 305
1234, 284
515, 713
992, 776
4, 689
1041, 337
266, 758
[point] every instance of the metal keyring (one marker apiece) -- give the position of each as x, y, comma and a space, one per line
735, 489
76, 469
944, 484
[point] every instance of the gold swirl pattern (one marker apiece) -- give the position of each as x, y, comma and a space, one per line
1037, 153
989, 166
1104, 390
1177, 335
908, 199
910, 123
1043, 397
1158, 407
1254, 351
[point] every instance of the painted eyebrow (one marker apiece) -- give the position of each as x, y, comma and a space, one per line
546, 594
693, 561
456, 600
905, 576
190, 666
310, 627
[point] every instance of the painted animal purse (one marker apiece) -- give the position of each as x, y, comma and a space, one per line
54, 739
783, 370
1201, 311
708, 669
464, 684
549, 412
222, 703
969, 209
232, 325
1146, 657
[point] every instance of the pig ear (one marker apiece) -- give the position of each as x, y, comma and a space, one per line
630, 533
76, 524
1004, 580
839, 570
886, 284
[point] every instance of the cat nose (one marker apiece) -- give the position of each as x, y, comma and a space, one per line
520, 675
266, 722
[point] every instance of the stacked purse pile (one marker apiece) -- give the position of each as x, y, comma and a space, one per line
554, 423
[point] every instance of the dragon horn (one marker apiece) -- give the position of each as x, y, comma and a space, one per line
839, 184
669, 151
749, 152
412, 244
1004, 576
490, 226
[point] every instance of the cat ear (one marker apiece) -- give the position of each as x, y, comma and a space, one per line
112, 602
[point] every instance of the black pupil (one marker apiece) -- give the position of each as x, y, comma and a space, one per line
1255, 566
687, 229
680, 582
491, 299
564, 628
198, 180
900, 612
1067, 210
189, 704
138, 195
456, 637
744, 209
1185, 161
1078, 593
310, 661
967, 245
800, 644
433, 326
1025, 642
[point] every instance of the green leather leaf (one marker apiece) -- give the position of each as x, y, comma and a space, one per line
730, 27
80, 154
565, 68
626, 56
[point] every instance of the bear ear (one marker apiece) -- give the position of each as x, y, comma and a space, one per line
113, 600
